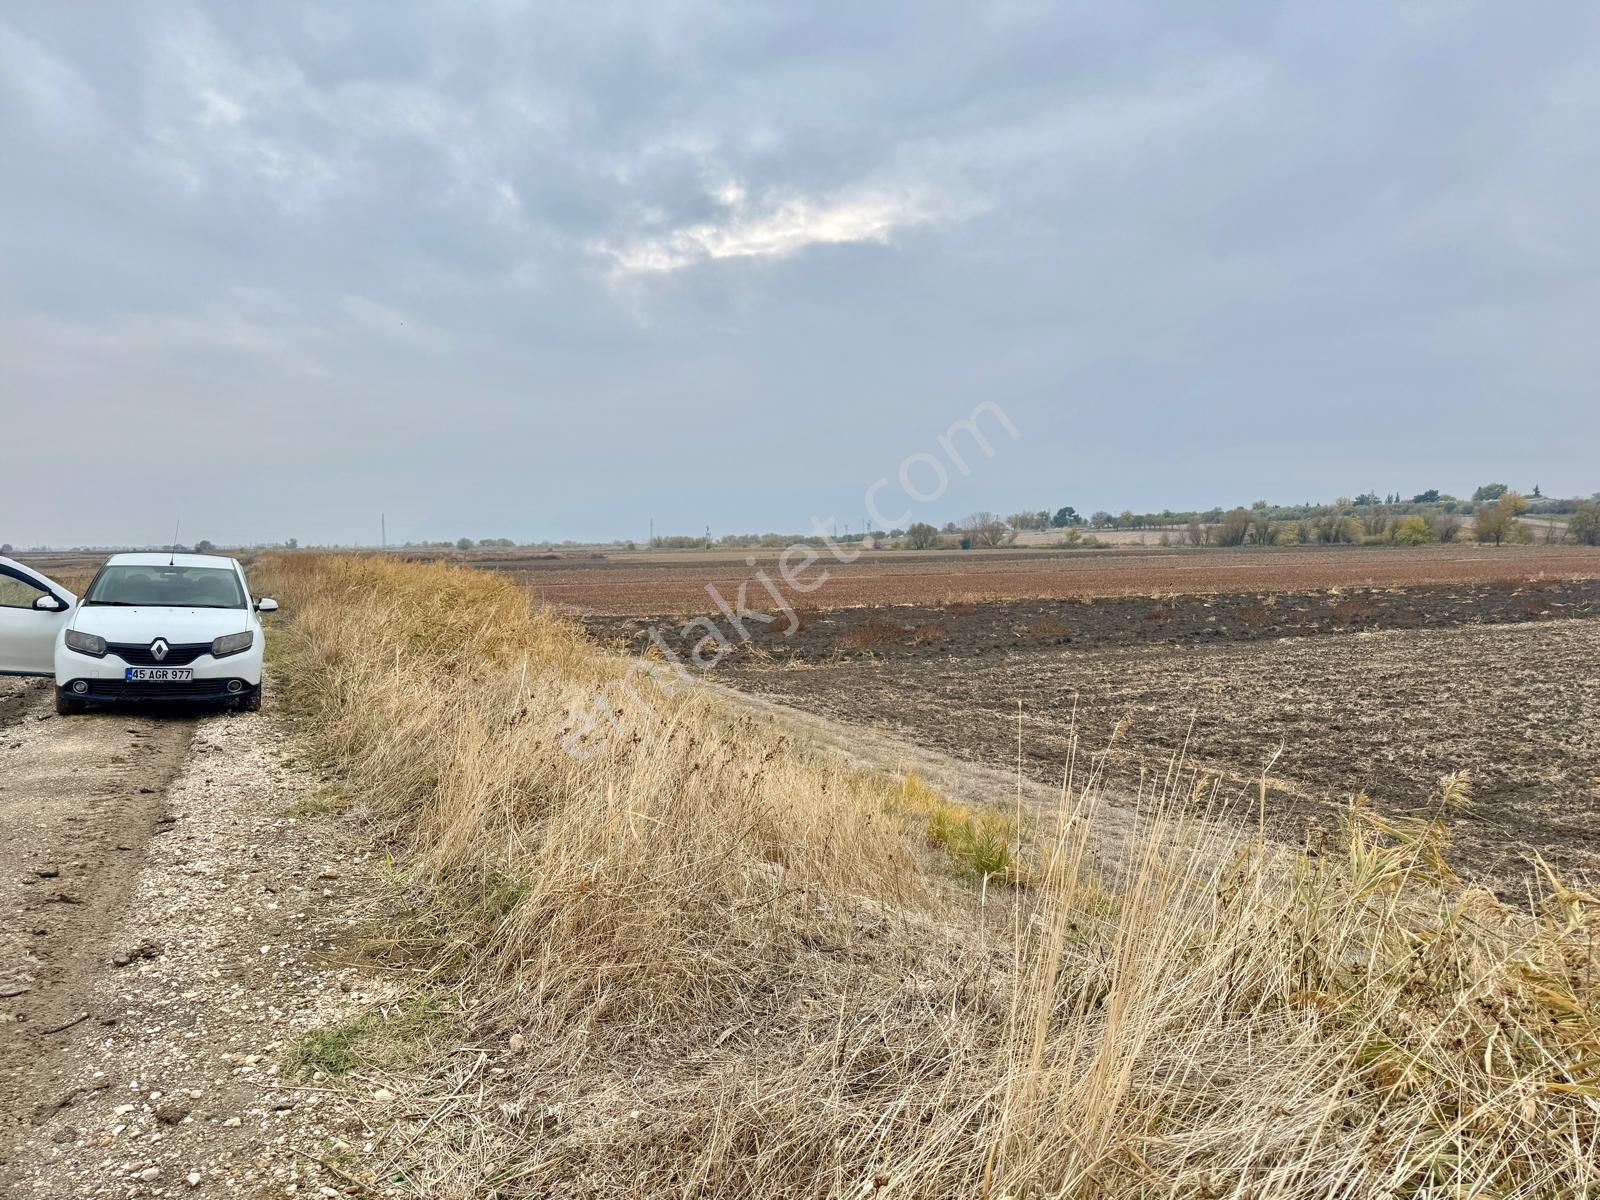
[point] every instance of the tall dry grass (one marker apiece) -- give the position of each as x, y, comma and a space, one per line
743, 971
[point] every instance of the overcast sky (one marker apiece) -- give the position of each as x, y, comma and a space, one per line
554, 271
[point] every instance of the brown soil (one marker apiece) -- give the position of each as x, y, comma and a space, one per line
895, 578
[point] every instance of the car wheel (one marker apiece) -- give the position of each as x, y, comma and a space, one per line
67, 705
252, 702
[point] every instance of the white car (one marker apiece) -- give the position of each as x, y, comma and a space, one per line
149, 627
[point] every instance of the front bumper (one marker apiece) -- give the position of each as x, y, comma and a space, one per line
71, 666
107, 691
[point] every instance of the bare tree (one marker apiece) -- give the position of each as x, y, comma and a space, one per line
988, 531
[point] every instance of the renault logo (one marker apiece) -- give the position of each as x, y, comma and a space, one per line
158, 649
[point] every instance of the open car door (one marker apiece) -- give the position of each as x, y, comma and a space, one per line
33, 610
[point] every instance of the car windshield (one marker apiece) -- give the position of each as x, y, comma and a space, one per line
167, 587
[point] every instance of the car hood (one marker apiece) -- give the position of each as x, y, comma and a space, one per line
144, 624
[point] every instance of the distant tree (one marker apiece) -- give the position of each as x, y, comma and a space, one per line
1234, 528
203, 547
1101, 519
1497, 522
465, 543
1447, 527
1066, 515
1197, 533
1262, 530
1536, 493
292, 544
1431, 496
1029, 520
986, 531
1583, 526
1334, 528
5, 550
1488, 492
1366, 498
922, 536
1412, 531
951, 527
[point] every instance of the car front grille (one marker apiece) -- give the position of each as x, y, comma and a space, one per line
178, 655
165, 689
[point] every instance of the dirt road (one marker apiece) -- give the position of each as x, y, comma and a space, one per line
178, 911
79, 804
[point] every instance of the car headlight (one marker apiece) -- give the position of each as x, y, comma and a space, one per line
232, 643
86, 643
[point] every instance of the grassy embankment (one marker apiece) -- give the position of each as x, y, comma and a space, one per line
742, 971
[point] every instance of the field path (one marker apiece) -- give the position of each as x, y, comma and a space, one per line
178, 911
79, 804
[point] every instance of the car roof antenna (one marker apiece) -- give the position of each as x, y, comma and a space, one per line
172, 550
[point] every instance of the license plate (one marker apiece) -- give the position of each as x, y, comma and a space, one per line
158, 675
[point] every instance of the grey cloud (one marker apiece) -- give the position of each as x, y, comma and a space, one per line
549, 272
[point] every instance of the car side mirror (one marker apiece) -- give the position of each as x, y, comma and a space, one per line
49, 603
266, 604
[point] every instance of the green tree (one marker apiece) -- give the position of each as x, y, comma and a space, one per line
1412, 531
1431, 496
464, 543
922, 536
1066, 515
1488, 492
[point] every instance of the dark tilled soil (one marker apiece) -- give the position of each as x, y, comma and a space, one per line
936, 632
1384, 712
1371, 690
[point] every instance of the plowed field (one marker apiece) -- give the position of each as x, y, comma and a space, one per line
664, 585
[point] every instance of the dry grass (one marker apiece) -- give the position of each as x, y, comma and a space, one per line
871, 635
739, 972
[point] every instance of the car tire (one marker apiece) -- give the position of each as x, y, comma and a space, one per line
252, 702
67, 705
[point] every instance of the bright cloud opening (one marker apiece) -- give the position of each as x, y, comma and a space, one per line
776, 233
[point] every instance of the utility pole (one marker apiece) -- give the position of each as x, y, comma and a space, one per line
652, 540
383, 531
